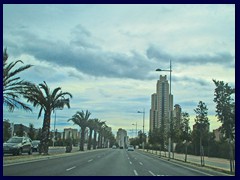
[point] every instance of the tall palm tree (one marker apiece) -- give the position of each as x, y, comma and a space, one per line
90, 125
41, 96
81, 119
100, 133
13, 86
96, 126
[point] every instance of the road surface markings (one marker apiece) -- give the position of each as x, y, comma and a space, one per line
135, 172
140, 163
90, 160
151, 173
130, 162
70, 168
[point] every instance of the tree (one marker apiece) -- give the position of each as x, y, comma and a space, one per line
31, 133
96, 127
39, 134
225, 111
91, 125
6, 130
100, 133
202, 125
13, 86
186, 132
20, 131
81, 119
41, 96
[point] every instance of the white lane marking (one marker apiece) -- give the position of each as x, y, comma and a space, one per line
130, 162
135, 172
151, 173
140, 163
70, 168
90, 160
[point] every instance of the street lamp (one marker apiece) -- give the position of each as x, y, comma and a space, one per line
169, 137
60, 101
143, 112
136, 128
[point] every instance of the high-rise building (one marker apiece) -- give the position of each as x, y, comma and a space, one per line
122, 138
177, 115
160, 101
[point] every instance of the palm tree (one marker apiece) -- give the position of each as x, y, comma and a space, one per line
96, 126
41, 96
81, 119
100, 133
91, 125
13, 86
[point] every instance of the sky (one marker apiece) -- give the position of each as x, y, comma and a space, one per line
106, 57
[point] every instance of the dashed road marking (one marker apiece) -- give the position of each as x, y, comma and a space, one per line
130, 162
135, 172
140, 163
90, 160
70, 168
151, 173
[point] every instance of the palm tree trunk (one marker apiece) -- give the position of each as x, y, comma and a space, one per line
90, 140
99, 140
95, 140
45, 133
82, 139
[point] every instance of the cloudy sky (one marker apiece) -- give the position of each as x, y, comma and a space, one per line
106, 56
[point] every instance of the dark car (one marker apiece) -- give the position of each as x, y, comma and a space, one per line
35, 145
18, 145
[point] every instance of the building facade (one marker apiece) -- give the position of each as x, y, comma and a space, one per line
177, 115
160, 102
122, 138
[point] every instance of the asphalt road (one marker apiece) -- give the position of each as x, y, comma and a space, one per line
105, 162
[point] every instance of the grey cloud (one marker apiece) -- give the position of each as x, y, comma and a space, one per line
191, 80
93, 62
224, 58
81, 37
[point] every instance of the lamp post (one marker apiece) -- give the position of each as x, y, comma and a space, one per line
143, 112
60, 101
169, 120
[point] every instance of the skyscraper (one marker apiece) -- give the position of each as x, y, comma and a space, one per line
160, 101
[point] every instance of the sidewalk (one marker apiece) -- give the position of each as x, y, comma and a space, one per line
215, 163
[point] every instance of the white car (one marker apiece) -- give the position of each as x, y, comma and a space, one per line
130, 148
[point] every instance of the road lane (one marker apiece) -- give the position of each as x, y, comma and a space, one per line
104, 162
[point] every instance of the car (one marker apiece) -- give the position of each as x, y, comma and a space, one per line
130, 148
121, 147
114, 147
17, 145
35, 145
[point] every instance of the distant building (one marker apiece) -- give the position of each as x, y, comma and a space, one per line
122, 138
218, 134
177, 115
160, 103
70, 133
